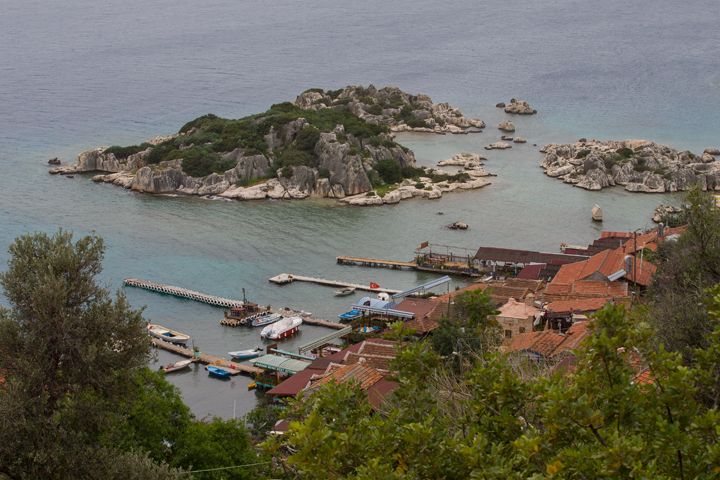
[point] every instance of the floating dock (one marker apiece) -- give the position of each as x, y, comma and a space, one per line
182, 293
374, 262
285, 278
232, 367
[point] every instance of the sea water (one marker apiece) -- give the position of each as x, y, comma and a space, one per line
81, 73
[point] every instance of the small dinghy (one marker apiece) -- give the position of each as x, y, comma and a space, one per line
367, 330
246, 354
350, 316
283, 329
265, 319
343, 292
217, 372
174, 367
167, 334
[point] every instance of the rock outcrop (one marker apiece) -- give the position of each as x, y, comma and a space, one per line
666, 213
638, 165
466, 160
519, 107
289, 152
390, 106
498, 146
506, 126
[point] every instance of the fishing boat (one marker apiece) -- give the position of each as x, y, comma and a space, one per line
343, 292
242, 312
367, 329
282, 329
217, 372
265, 319
174, 367
350, 316
246, 354
167, 334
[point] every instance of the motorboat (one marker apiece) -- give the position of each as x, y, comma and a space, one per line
343, 292
350, 316
246, 354
174, 367
282, 329
217, 372
265, 319
167, 334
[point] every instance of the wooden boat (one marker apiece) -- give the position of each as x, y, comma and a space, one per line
167, 334
217, 372
343, 292
350, 316
242, 312
282, 329
265, 319
246, 354
174, 367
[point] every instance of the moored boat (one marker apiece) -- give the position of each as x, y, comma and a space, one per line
174, 367
350, 316
343, 292
217, 372
167, 334
246, 354
265, 319
282, 329
367, 329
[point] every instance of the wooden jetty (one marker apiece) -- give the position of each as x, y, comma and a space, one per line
182, 292
232, 367
284, 278
374, 262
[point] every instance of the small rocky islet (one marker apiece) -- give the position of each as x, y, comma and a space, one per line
637, 165
329, 144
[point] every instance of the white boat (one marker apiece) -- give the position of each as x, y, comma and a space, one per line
174, 367
344, 291
167, 334
283, 329
246, 354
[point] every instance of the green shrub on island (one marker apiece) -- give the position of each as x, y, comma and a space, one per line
202, 140
389, 171
124, 152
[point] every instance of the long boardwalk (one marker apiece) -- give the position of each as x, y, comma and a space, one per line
232, 367
374, 262
284, 278
182, 292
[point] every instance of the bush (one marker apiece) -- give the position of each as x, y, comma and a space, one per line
307, 138
389, 170
419, 185
286, 172
324, 173
374, 109
412, 172
582, 153
124, 152
200, 162
625, 152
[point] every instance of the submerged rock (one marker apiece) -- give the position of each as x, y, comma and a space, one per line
498, 146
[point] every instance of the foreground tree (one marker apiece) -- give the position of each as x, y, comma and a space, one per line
68, 353
687, 267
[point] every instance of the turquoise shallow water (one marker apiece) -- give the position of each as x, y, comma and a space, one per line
78, 74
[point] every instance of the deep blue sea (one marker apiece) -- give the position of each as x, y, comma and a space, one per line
81, 73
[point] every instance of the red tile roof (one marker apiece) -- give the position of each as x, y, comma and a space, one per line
366, 377
577, 305
514, 309
603, 265
587, 288
549, 343
531, 272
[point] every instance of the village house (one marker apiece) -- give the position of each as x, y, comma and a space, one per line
516, 317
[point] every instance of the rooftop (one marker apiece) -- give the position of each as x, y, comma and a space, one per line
514, 309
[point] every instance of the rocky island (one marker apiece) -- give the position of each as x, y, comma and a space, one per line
330, 144
638, 165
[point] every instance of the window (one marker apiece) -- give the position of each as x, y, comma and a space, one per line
508, 333
521, 329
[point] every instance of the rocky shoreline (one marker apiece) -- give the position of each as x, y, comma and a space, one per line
336, 144
637, 165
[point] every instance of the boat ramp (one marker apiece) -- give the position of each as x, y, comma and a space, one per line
285, 278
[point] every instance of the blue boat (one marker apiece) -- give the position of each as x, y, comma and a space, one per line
350, 316
367, 330
217, 372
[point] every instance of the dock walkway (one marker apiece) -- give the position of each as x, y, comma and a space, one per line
232, 367
374, 262
284, 278
182, 292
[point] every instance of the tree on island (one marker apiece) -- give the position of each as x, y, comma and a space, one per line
77, 399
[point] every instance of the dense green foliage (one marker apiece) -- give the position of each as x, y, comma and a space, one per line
499, 417
124, 152
203, 140
77, 399
686, 268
